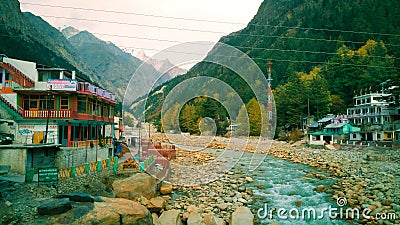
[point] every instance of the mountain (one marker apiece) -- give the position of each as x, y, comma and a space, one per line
29, 37
161, 65
297, 36
21, 38
69, 31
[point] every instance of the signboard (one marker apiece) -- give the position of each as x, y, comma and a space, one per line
92, 88
62, 84
48, 175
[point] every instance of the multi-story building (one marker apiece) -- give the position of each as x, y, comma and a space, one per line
373, 113
73, 111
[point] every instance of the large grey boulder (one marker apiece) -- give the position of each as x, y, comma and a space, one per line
54, 206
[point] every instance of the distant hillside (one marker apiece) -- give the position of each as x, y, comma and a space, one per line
21, 38
297, 36
28, 37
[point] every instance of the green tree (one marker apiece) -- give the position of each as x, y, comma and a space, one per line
257, 123
352, 72
242, 121
189, 119
170, 119
338, 106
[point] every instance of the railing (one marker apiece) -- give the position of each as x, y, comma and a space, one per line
90, 143
47, 113
87, 143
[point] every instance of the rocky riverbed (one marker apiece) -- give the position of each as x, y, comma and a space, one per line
366, 178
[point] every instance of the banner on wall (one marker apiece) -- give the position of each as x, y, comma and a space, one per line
62, 84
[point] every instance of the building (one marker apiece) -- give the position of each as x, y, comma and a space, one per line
55, 106
375, 116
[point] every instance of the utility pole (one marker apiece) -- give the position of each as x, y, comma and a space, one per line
48, 114
270, 103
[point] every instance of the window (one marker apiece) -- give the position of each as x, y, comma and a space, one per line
85, 134
82, 104
36, 102
105, 111
354, 136
94, 108
111, 112
45, 75
64, 102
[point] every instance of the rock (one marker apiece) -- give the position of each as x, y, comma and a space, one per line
155, 205
166, 197
54, 206
166, 188
170, 217
320, 188
77, 197
242, 215
320, 176
195, 219
192, 208
242, 200
211, 219
185, 216
142, 200
8, 204
98, 199
334, 186
249, 179
156, 220
222, 206
134, 186
117, 211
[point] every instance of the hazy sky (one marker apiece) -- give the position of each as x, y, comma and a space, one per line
129, 26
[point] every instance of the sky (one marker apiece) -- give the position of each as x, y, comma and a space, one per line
135, 25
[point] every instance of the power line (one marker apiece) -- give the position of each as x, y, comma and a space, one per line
215, 21
240, 47
209, 31
135, 24
136, 14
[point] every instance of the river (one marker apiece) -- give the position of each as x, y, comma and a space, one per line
282, 191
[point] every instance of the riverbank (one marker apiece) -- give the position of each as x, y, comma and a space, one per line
367, 178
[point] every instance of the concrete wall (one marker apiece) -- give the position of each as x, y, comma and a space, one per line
68, 157
14, 157
26, 130
4, 114
28, 68
11, 98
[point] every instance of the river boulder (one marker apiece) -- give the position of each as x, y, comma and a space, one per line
140, 184
242, 215
117, 211
54, 206
170, 217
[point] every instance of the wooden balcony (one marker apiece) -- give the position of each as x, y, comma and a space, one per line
46, 113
